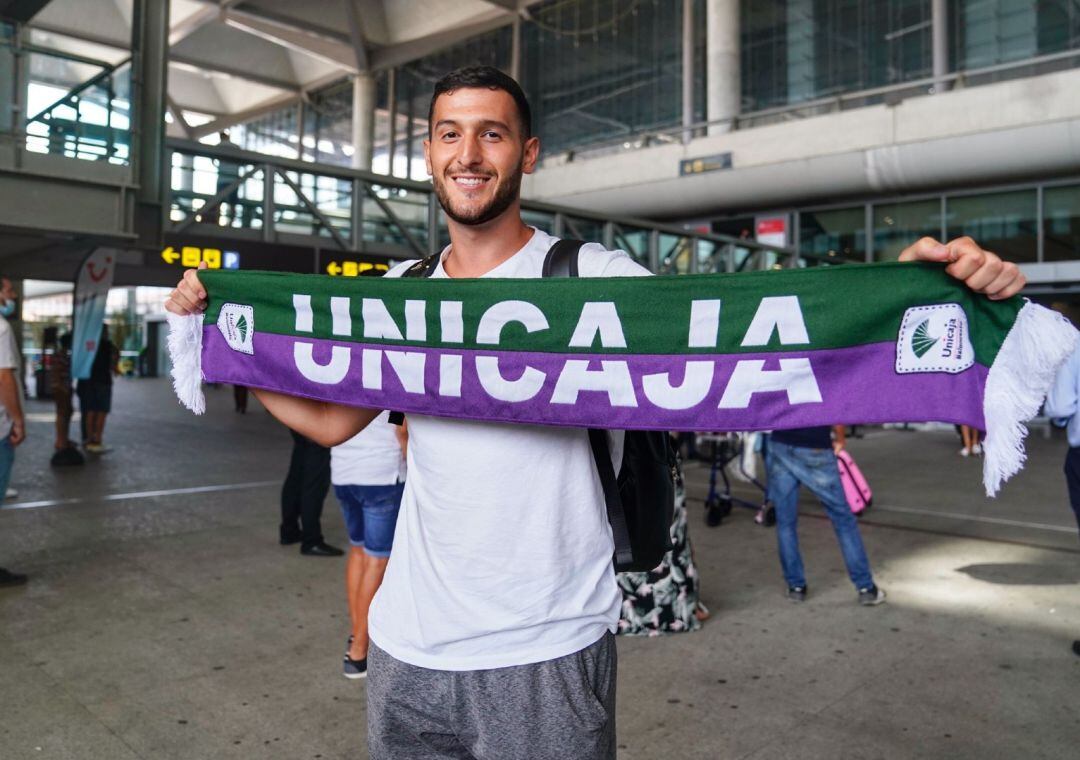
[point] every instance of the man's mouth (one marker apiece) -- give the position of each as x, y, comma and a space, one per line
470, 181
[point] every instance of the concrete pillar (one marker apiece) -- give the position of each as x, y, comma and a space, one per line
150, 47
391, 112
939, 18
363, 120
722, 63
515, 49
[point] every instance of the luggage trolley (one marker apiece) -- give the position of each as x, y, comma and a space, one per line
726, 448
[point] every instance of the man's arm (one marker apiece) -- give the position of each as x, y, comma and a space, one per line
9, 399
326, 424
980, 270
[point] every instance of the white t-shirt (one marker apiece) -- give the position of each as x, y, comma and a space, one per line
502, 554
9, 359
372, 457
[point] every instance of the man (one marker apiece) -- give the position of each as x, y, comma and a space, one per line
368, 473
12, 424
807, 456
492, 632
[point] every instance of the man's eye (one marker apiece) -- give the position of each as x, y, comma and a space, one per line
492, 135
449, 135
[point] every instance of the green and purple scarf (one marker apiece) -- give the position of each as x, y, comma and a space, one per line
756, 351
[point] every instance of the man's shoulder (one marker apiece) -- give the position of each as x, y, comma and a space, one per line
594, 260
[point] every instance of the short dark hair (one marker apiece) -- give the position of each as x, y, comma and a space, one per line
480, 77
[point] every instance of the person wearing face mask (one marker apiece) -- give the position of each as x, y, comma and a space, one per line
12, 424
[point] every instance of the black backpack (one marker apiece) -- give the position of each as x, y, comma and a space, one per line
641, 501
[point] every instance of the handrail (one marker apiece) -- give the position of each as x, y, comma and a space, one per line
238, 156
79, 89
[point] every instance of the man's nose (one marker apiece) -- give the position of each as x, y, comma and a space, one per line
469, 153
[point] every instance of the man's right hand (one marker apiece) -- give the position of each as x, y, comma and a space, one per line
18, 432
189, 296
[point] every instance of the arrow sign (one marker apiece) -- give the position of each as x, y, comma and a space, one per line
333, 269
169, 255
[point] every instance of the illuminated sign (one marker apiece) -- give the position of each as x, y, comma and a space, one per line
191, 256
353, 268
705, 164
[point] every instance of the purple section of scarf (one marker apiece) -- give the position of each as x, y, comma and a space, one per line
858, 385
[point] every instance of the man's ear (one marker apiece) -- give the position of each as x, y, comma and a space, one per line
531, 155
427, 156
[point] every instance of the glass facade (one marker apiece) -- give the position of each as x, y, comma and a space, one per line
600, 70
798, 50
898, 225
1004, 223
1061, 223
833, 235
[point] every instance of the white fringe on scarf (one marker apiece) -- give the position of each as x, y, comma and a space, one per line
185, 349
1023, 372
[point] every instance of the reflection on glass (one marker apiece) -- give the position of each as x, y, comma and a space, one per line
898, 225
1061, 223
1001, 222
832, 237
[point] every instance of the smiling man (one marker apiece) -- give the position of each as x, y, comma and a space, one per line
492, 632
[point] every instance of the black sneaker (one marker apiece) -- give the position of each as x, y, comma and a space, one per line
321, 549
1076, 648
354, 669
871, 596
8, 578
796, 593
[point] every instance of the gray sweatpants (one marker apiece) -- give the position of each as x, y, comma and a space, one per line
562, 708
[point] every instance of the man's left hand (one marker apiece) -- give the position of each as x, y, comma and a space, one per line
980, 270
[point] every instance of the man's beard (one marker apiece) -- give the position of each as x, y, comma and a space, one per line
505, 195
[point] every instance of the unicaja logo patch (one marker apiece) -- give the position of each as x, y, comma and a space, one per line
934, 339
237, 325
921, 340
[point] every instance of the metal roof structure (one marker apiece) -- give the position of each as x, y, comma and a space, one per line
233, 60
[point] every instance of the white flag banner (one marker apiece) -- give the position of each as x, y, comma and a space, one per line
91, 293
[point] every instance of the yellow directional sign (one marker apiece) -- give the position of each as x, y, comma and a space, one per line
191, 256
353, 268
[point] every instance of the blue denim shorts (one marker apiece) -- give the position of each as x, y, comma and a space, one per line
370, 515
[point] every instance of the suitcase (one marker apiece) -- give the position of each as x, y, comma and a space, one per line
856, 489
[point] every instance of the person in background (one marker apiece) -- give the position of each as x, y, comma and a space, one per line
806, 456
970, 437
240, 398
12, 423
302, 497
368, 473
1063, 406
95, 393
60, 384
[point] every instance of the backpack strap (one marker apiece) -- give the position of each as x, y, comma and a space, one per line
624, 554
424, 267
562, 261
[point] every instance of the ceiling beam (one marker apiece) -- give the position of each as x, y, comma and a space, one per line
191, 64
178, 116
267, 106
196, 65
356, 31
395, 55
328, 49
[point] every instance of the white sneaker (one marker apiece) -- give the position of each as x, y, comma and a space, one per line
965, 452
11, 493
977, 449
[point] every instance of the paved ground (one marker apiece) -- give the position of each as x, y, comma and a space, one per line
168, 624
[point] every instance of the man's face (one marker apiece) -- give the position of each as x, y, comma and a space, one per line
477, 154
7, 290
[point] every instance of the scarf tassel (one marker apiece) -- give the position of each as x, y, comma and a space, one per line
185, 350
1039, 341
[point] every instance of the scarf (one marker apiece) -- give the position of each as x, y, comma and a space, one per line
715, 352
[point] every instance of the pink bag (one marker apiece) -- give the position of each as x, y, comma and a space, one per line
856, 489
